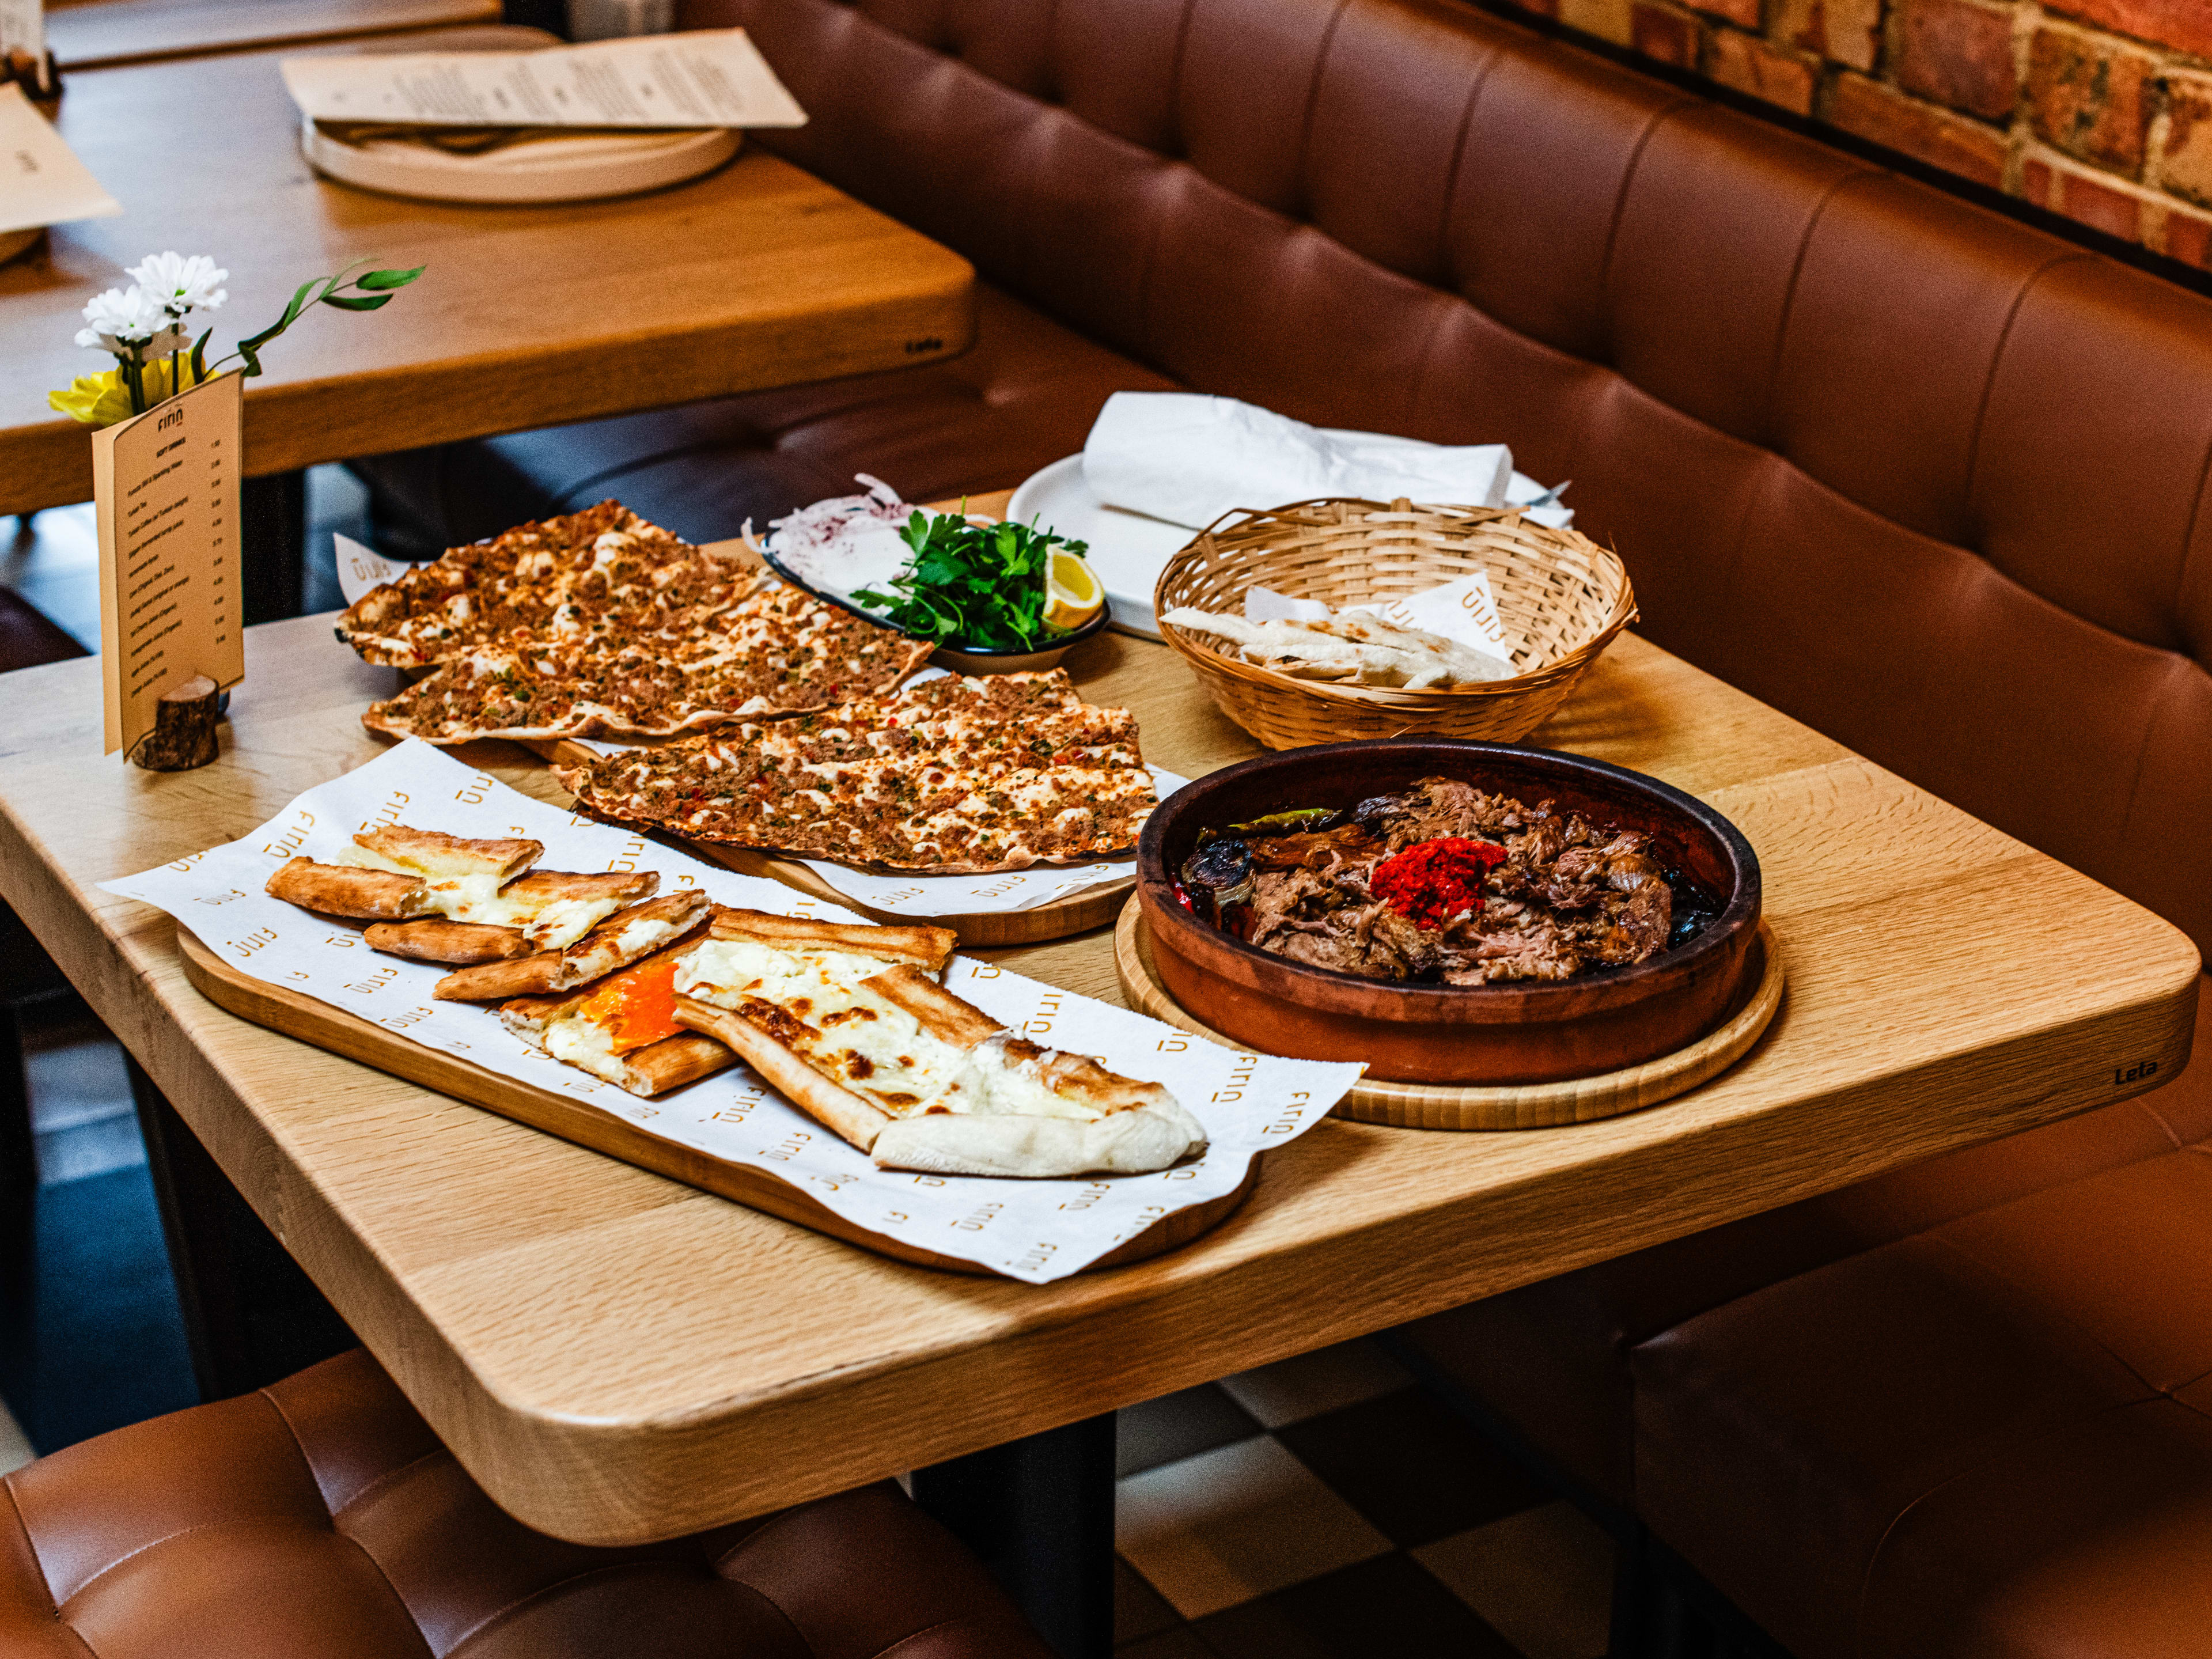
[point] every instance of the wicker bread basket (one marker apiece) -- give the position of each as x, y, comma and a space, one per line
1561, 597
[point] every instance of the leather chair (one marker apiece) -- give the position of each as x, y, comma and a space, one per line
1927, 478
320, 1519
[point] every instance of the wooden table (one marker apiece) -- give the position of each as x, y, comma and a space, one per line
100, 34
757, 275
618, 1358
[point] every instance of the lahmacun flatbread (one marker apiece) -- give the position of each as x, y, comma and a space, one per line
566, 578
873, 1048
601, 623
952, 776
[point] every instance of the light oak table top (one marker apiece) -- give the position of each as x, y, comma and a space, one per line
755, 276
616, 1356
97, 34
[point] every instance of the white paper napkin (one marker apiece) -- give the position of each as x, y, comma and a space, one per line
1037, 1230
1189, 459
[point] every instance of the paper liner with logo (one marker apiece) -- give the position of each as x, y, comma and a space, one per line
1035, 1230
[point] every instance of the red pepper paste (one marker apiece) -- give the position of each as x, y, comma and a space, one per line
1432, 882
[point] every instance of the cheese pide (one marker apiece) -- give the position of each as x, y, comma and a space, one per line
438, 897
850, 1022
851, 1025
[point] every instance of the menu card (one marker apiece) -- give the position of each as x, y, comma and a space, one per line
166, 489
41, 181
707, 78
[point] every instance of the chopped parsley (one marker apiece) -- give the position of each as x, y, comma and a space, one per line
977, 586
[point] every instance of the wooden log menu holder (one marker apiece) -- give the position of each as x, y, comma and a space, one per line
184, 727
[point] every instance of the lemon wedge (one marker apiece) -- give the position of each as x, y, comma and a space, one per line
1072, 594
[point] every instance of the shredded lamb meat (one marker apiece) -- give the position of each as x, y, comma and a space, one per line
1570, 895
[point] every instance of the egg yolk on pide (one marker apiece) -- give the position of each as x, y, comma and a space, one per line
637, 1006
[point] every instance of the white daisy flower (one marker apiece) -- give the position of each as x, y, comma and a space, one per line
181, 285
126, 321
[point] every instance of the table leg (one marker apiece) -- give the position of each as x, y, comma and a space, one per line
1040, 1514
251, 1314
273, 546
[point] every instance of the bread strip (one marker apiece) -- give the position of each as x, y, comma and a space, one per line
527, 1017
945, 1017
495, 982
436, 853
932, 947
629, 936
446, 941
1040, 1148
339, 890
552, 886
1080, 1078
672, 1062
834, 1106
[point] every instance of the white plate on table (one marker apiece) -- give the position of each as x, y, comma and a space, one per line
585, 168
1128, 550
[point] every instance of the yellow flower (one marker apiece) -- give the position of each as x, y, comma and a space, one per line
97, 400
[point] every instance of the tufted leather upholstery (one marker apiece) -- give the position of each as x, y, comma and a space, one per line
1930, 481
1023, 396
320, 1519
1993, 1436
1869, 451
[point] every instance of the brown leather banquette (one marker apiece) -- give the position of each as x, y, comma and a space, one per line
320, 1519
1929, 479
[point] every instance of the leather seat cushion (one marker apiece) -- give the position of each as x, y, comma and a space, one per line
320, 1519
1023, 397
1919, 1449
1555, 1357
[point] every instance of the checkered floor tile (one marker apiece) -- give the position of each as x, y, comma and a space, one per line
1326, 1507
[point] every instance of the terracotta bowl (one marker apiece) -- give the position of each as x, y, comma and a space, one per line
1519, 1032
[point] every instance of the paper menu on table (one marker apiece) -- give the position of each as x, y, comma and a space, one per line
41, 181
166, 487
705, 79
1032, 1230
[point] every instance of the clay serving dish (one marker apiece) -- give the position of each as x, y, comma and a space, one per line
1517, 1032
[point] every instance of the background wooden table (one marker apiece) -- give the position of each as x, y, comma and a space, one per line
98, 33
616, 1356
757, 275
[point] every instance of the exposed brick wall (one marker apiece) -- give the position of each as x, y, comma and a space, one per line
2100, 110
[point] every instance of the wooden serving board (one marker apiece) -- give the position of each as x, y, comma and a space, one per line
1467, 1106
325, 1027
978, 930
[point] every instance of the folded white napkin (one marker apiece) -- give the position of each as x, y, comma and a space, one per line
1189, 459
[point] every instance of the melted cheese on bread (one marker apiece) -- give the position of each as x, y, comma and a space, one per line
551, 925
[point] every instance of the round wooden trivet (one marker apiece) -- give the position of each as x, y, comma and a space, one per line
1468, 1106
